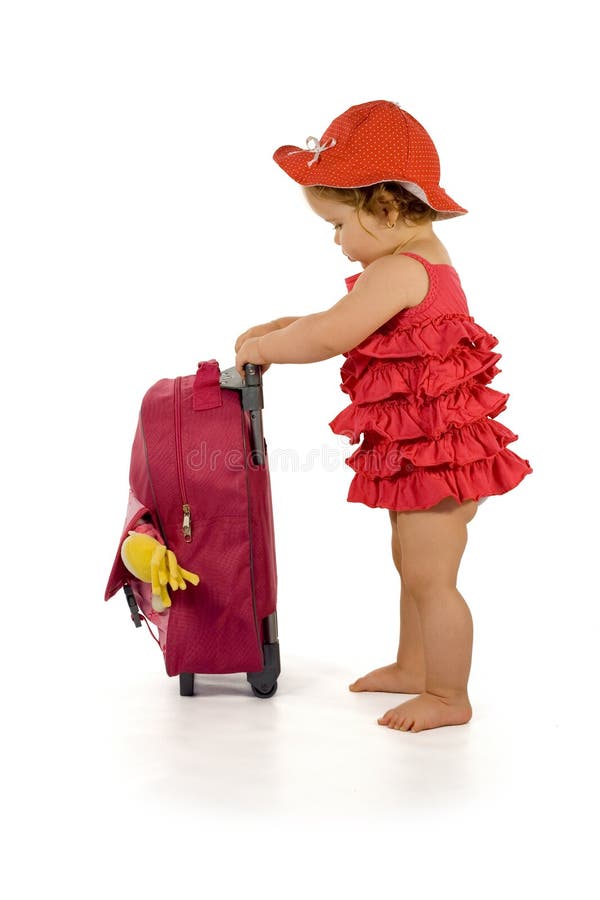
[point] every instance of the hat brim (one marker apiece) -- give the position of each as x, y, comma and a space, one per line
295, 162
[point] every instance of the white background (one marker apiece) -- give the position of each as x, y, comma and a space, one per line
144, 226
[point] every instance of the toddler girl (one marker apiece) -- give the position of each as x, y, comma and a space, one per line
417, 371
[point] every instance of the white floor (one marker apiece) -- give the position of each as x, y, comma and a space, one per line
115, 785
122, 785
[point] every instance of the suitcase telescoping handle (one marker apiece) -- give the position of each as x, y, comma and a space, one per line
252, 400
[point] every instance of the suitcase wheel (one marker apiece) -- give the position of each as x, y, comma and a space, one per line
186, 687
263, 694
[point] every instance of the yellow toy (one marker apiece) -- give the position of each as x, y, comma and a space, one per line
151, 561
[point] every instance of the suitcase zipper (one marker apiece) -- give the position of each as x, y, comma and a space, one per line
186, 526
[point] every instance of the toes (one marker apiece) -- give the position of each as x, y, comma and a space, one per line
397, 722
391, 721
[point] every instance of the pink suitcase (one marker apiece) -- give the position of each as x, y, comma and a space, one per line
199, 473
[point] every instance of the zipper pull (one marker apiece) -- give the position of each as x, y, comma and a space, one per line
187, 523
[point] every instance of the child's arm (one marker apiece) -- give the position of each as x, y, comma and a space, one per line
259, 330
287, 320
265, 328
387, 286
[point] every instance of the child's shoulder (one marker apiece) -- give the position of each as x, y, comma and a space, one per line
394, 275
429, 253
400, 273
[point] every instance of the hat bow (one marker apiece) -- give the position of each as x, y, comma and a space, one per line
313, 145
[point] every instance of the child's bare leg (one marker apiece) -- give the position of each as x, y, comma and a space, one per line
411, 651
433, 542
407, 674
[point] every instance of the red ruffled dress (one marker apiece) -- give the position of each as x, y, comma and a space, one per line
419, 393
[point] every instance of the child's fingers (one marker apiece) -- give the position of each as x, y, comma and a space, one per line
244, 336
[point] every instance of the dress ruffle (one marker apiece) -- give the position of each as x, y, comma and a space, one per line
381, 458
426, 377
406, 419
423, 488
434, 337
420, 397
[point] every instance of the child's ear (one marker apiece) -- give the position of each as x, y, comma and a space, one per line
387, 207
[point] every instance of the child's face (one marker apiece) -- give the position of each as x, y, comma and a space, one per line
356, 244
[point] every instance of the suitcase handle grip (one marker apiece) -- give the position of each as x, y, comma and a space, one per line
252, 400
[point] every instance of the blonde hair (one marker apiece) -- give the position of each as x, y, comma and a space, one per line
373, 198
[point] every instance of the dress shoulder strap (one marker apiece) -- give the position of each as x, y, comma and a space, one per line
421, 259
351, 281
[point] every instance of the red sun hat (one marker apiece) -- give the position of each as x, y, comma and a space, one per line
372, 142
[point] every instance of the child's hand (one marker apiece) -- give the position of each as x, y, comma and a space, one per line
255, 331
249, 353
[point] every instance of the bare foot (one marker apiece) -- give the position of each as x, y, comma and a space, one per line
392, 679
428, 711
